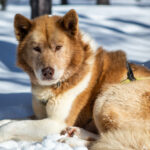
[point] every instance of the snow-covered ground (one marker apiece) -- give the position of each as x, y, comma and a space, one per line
48, 143
117, 26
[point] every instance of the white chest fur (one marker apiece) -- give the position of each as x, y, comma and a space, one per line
58, 108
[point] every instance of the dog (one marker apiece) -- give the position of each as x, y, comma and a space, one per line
78, 89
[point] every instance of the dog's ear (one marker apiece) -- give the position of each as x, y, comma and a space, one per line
22, 26
70, 22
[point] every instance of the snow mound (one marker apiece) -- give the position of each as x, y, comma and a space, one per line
48, 143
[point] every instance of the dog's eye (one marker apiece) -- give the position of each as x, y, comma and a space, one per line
37, 49
58, 47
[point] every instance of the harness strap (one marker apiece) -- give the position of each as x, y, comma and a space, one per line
130, 75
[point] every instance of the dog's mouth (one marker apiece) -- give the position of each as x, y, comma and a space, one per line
48, 82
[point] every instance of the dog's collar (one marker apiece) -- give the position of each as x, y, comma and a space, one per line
44, 102
130, 75
58, 84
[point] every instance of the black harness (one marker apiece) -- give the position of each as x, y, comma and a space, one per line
130, 74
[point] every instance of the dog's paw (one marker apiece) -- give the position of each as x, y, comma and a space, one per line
80, 133
70, 131
6, 128
4, 136
73, 141
3, 122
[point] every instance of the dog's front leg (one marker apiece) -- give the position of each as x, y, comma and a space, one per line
32, 130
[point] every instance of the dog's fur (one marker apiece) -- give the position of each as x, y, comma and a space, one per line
85, 88
122, 115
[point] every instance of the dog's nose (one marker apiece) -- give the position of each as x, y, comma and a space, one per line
48, 73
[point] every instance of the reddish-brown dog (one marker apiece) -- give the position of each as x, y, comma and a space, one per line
74, 85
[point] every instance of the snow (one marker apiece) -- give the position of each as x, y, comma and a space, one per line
48, 143
125, 24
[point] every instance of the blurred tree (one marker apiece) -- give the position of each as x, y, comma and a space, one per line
3, 3
40, 7
103, 2
64, 2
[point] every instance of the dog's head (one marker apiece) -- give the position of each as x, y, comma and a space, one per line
50, 48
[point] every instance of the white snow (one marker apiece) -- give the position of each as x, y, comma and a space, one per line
125, 24
48, 143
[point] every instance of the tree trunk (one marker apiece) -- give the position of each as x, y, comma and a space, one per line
44, 7
40, 7
64, 2
34, 8
3, 3
103, 2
